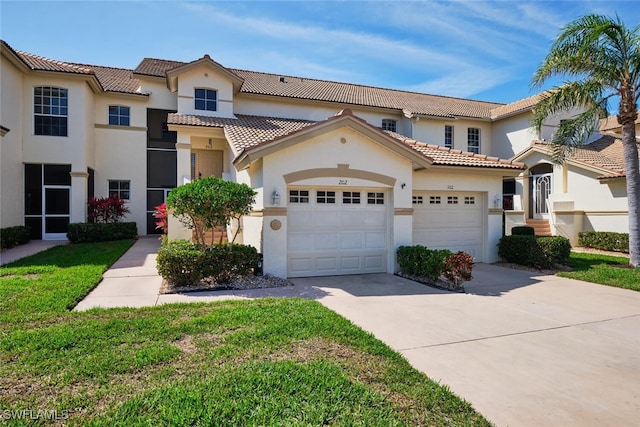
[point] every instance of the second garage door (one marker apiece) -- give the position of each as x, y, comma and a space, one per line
449, 220
334, 231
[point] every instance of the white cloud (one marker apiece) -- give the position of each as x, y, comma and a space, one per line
463, 84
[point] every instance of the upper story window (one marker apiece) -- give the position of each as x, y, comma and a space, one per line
206, 99
389, 124
119, 115
50, 108
448, 136
473, 140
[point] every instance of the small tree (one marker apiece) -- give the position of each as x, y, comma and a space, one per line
107, 209
209, 203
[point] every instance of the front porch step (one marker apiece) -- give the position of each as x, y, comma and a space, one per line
541, 226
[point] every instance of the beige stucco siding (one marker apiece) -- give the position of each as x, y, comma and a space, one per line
512, 135
204, 77
11, 182
431, 131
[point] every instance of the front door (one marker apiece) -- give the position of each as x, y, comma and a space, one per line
206, 163
542, 186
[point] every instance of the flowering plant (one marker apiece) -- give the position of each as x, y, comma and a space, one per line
160, 213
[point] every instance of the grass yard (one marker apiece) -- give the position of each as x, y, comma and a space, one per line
603, 269
262, 362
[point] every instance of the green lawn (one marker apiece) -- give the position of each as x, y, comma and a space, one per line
603, 269
262, 362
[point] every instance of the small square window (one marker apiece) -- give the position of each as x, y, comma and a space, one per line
452, 200
389, 124
298, 196
206, 99
434, 200
119, 115
121, 189
326, 197
469, 200
375, 198
417, 200
351, 198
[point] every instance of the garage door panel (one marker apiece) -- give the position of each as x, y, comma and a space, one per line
337, 238
351, 240
457, 227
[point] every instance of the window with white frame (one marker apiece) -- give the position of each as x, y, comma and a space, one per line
350, 197
448, 136
298, 196
469, 200
434, 200
206, 99
417, 200
389, 124
119, 115
452, 200
120, 188
50, 110
473, 140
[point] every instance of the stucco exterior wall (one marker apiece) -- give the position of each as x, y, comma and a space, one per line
327, 151
431, 131
512, 135
313, 111
204, 77
11, 171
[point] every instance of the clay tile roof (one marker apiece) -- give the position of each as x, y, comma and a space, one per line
605, 153
44, 64
611, 123
247, 132
448, 157
515, 107
346, 93
111, 79
156, 67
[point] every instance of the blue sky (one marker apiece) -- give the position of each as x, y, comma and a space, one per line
471, 49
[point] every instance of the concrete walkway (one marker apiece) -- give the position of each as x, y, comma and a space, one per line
525, 349
31, 248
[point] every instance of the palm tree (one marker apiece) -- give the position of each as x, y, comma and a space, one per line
600, 58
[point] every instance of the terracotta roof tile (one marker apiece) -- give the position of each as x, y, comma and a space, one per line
44, 64
111, 79
515, 107
156, 67
247, 132
412, 103
611, 123
605, 153
448, 157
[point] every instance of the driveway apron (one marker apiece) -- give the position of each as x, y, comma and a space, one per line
525, 349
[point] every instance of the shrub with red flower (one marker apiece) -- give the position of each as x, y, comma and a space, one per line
107, 209
160, 213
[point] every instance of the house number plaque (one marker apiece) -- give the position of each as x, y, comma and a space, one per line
342, 182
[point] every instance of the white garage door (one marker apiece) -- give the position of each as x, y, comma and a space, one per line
449, 220
335, 231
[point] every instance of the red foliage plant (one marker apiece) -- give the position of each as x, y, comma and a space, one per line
107, 209
160, 213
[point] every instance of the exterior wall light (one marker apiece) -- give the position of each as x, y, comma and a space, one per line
276, 197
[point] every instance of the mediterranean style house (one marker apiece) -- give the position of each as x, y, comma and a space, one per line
344, 173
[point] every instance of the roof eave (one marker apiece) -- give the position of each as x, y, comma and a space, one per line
172, 74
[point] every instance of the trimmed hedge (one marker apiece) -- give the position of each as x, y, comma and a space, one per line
604, 240
14, 236
88, 232
523, 230
417, 260
539, 252
184, 263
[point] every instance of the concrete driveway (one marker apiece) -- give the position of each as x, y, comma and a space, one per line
524, 349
